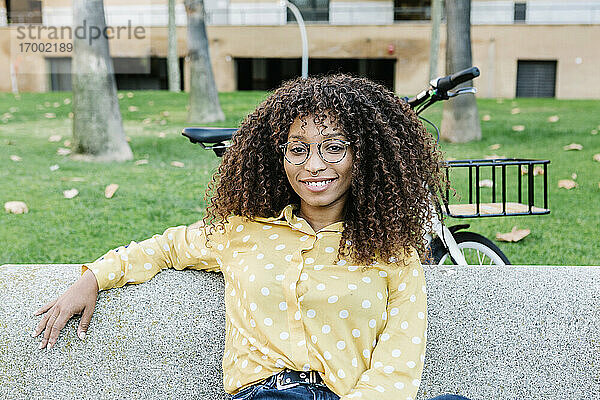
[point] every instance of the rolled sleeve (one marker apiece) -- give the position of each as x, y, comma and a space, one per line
397, 360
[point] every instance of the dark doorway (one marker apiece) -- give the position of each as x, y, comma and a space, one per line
536, 78
269, 73
150, 73
147, 73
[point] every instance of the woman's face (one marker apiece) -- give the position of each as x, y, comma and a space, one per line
337, 176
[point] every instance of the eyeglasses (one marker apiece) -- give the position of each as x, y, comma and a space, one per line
330, 150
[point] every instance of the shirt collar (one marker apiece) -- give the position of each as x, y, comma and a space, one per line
288, 216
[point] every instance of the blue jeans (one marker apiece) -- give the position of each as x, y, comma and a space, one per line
267, 390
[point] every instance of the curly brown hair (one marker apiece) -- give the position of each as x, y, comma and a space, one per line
396, 164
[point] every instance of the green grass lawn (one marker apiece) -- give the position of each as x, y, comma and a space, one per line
155, 196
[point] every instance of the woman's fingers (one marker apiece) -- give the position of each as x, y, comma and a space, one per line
84, 323
45, 308
40, 327
59, 323
48, 328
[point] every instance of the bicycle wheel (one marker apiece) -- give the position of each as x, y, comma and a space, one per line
477, 250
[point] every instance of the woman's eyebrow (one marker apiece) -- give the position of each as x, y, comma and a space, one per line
328, 135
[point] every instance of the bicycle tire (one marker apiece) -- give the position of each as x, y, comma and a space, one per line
473, 244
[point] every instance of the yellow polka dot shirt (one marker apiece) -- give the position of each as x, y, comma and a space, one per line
289, 304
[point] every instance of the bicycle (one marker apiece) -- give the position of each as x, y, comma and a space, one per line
447, 245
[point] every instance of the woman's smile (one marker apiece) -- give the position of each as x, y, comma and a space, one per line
318, 185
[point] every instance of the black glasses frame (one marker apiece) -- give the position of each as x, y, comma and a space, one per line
319, 144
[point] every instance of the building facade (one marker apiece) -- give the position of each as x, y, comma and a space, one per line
535, 48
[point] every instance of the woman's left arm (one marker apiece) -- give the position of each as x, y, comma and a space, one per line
398, 357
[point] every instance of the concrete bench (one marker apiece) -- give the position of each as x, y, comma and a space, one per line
515, 332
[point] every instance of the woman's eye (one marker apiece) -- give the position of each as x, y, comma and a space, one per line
334, 148
297, 149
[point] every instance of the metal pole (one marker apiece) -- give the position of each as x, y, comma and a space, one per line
300, 20
436, 17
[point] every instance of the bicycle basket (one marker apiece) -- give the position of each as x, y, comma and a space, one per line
497, 187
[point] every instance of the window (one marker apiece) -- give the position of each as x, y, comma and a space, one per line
311, 10
24, 11
536, 78
520, 12
411, 10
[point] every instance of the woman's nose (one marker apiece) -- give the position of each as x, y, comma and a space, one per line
314, 162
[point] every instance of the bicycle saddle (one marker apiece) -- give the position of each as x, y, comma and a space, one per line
208, 134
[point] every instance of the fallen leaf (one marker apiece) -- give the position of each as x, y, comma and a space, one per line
495, 146
50, 115
63, 152
513, 236
553, 118
573, 146
567, 184
573, 176
54, 167
15, 158
147, 121
486, 117
486, 183
494, 157
141, 162
56, 104
47, 104
128, 139
515, 111
55, 138
162, 135
16, 207
597, 157
594, 131
163, 122
69, 194
164, 113
67, 101
110, 190
71, 115
120, 95
130, 94
132, 108
67, 143
518, 128
177, 164
537, 170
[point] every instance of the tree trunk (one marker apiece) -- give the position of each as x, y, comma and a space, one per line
460, 121
172, 59
97, 127
204, 98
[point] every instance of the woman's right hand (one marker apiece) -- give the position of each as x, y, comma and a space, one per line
79, 298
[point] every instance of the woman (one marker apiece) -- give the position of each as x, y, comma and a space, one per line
316, 222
